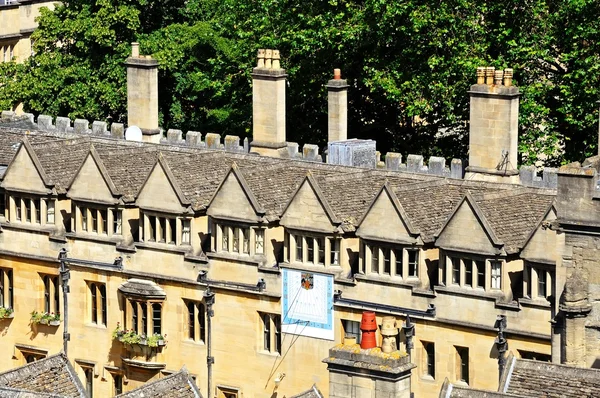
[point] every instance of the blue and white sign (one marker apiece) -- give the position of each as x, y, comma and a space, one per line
307, 305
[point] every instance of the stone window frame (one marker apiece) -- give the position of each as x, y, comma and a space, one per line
51, 289
134, 305
228, 392
7, 288
462, 365
313, 242
531, 286
8, 51
427, 359
105, 219
270, 334
246, 238
97, 304
199, 322
447, 274
366, 260
21, 206
163, 228
351, 328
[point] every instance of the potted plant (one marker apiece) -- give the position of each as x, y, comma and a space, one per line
36, 317
6, 312
156, 340
54, 319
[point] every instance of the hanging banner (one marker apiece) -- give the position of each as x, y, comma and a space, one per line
307, 305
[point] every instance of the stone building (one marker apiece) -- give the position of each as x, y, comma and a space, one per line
248, 269
17, 22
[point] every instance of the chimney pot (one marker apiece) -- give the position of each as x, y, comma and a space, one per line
498, 75
489, 75
508, 76
368, 326
276, 57
268, 59
135, 50
261, 58
481, 75
337, 74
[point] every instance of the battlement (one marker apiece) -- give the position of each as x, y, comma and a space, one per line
357, 153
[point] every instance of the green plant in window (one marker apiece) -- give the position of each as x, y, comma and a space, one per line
155, 340
5, 312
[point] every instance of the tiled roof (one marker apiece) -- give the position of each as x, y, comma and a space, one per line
512, 216
549, 380
427, 200
52, 375
177, 385
313, 392
61, 159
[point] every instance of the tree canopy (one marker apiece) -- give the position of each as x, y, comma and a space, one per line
409, 66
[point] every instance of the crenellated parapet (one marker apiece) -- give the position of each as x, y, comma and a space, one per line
309, 152
529, 177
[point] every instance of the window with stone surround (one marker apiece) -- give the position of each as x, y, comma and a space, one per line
195, 320
538, 280
238, 238
28, 209
97, 300
378, 258
51, 294
352, 329
169, 230
462, 364
428, 355
470, 271
535, 356
7, 299
312, 249
97, 220
143, 317
270, 332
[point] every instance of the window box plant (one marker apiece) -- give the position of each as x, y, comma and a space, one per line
131, 337
45, 318
6, 312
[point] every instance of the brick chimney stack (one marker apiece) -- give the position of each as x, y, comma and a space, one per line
493, 127
337, 108
142, 94
268, 104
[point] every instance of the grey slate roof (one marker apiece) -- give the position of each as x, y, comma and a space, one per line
530, 378
427, 200
51, 375
177, 385
313, 392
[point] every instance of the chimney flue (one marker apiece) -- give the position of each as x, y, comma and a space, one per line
498, 75
368, 326
508, 77
261, 58
275, 64
337, 108
135, 50
489, 75
337, 74
268, 59
481, 75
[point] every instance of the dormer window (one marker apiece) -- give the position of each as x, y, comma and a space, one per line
30, 209
390, 260
312, 249
158, 228
238, 239
471, 271
97, 220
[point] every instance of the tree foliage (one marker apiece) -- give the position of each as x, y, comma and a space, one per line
409, 66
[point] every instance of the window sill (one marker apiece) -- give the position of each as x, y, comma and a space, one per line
334, 270
469, 291
165, 247
114, 239
428, 378
461, 383
257, 259
194, 342
536, 302
268, 353
95, 326
411, 281
31, 227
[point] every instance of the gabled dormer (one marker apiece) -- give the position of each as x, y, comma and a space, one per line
237, 218
471, 255
165, 212
313, 232
97, 210
390, 244
28, 194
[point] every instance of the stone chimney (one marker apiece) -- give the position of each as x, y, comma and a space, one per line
355, 372
493, 127
268, 104
142, 94
337, 108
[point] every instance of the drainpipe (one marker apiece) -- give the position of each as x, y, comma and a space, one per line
501, 344
65, 276
209, 299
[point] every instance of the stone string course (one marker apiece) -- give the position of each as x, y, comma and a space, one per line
392, 161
